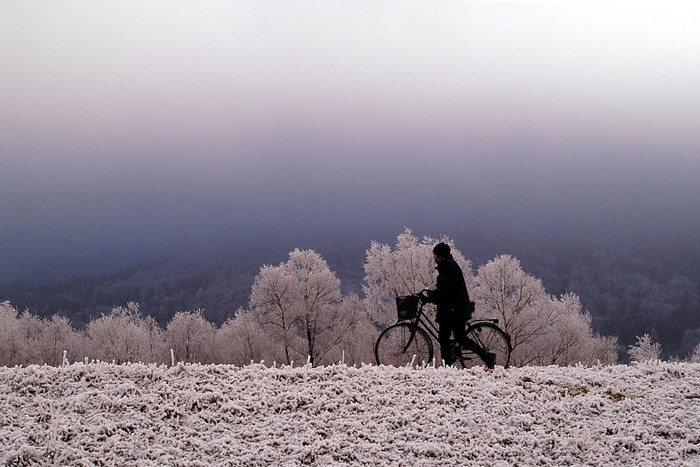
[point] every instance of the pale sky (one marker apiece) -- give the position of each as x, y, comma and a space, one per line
132, 127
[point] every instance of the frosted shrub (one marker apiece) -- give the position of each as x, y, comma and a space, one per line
644, 350
695, 357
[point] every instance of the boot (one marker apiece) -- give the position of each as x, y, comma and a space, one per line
490, 359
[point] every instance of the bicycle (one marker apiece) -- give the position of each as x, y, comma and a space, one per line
410, 341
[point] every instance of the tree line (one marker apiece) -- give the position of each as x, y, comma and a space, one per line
629, 290
297, 312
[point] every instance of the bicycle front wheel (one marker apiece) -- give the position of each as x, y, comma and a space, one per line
403, 344
493, 340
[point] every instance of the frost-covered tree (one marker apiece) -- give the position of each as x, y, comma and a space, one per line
45, 339
58, 336
271, 300
191, 337
564, 342
30, 330
318, 292
644, 350
241, 339
123, 335
544, 330
28, 339
518, 300
156, 350
10, 337
296, 303
353, 336
403, 270
570, 339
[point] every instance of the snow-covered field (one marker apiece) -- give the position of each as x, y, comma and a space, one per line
103, 414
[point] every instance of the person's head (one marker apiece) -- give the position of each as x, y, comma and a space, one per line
441, 251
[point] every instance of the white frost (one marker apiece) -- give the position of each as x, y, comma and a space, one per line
103, 414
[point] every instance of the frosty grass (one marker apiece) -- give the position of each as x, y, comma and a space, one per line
104, 414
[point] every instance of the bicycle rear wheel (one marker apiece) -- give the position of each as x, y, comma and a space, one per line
493, 340
403, 344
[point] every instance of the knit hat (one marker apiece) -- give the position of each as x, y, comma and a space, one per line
442, 250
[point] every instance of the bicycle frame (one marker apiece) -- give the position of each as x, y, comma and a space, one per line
431, 327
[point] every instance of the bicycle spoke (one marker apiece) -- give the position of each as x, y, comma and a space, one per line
403, 344
493, 340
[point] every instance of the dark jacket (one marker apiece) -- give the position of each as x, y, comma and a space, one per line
450, 294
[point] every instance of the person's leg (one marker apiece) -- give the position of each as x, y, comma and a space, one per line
460, 326
444, 332
468, 344
472, 346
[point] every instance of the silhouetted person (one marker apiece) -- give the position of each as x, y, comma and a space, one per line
454, 308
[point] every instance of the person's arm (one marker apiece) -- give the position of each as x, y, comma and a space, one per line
445, 288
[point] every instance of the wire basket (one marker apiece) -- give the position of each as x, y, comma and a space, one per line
407, 306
